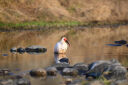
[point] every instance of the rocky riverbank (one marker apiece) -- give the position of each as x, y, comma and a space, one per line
101, 72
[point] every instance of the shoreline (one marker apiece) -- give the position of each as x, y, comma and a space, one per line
41, 26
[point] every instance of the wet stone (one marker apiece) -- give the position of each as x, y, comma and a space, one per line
38, 73
61, 66
97, 68
117, 72
6, 82
96, 82
13, 50
23, 81
4, 72
20, 50
35, 49
69, 72
81, 67
51, 71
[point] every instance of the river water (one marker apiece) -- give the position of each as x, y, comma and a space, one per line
86, 46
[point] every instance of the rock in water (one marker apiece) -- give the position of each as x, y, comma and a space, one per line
61, 66
81, 67
70, 72
38, 73
97, 68
116, 71
13, 50
51, 71
20, 50
4, 72
122, 42
35, 49
6, 82
22, 81
113, 69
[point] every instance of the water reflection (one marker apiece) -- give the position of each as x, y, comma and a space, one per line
61, 58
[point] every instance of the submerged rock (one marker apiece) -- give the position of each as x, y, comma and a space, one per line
70, 72
35, 49
51, 71
38, 73
81, 67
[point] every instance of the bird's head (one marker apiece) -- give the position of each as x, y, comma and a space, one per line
64, 39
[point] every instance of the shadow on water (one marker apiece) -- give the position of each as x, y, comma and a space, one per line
87, 46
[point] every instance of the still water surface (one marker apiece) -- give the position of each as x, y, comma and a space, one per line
86, 49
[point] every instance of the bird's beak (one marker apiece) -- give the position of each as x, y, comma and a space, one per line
67, 42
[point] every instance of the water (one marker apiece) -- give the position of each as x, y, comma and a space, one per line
86, 46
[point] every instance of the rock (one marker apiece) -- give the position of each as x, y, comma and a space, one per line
97, 68
70, 72
20, 50
61, 66
22, 81
35, 49
13, 50
117, 72
81, 67
51, 71
4, 72
110, 69
122, 42
38, 73
6, 82
96, 82
120, 82
64, 60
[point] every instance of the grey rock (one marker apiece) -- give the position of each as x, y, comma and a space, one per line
13, 50
4, 72
6, 82
20, 50
81, 67
110, 69
23, 81
70, 72
38, 73
61, 66
35, 49
51, 71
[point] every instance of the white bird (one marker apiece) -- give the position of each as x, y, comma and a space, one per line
61, 46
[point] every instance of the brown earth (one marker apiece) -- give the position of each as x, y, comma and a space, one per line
63, 10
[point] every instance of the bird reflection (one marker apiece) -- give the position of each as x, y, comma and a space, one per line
61, 58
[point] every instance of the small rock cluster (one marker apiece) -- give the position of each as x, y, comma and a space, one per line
110, 70
31, 49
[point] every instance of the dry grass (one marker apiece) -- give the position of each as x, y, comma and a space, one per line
87, 45
56, 10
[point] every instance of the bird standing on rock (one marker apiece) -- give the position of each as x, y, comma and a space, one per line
61, 46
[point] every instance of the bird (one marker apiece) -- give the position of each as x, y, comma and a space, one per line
61, 46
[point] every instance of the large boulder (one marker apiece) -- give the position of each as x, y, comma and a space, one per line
110, 69
81, 67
